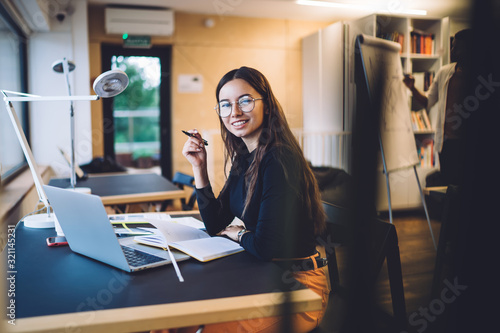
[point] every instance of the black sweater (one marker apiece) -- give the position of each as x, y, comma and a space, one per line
275, 216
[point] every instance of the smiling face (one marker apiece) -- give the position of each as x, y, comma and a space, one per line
245, 125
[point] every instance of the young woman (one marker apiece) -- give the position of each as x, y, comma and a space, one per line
270, 188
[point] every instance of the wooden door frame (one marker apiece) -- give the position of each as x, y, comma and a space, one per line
164, 53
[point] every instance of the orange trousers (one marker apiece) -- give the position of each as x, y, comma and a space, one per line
315, 280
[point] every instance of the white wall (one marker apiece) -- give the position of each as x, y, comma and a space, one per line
323, 95
456, 25
50, 121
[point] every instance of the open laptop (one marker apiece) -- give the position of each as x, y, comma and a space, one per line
87, 228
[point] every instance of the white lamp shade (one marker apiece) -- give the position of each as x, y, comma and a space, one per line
110, 83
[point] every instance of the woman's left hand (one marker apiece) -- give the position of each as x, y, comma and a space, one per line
231, 231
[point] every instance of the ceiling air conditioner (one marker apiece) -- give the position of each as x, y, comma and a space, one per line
150, 22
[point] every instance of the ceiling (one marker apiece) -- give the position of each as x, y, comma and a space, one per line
289, 9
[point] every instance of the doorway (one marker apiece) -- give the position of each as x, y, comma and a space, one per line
137, 125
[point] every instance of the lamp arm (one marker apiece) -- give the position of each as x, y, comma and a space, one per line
51, 98
27, 153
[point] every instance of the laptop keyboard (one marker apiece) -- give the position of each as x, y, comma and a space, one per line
137, 258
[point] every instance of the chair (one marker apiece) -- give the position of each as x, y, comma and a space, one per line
337, 219
384, 246
446, 250
180, 180
448, 255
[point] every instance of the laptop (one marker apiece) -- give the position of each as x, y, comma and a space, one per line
87, 228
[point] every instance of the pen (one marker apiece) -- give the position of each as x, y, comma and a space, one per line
192, 135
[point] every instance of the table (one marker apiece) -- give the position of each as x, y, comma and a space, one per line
120, 189
57, 290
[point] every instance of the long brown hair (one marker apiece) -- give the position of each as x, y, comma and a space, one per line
275, 133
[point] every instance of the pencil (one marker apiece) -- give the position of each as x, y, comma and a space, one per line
192, 135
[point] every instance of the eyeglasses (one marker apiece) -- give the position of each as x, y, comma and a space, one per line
245, 104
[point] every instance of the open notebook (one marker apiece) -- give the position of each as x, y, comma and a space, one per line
192, 241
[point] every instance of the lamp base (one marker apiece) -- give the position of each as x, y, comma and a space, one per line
39, 221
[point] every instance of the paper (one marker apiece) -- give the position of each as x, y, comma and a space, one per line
176, 232
188, 221
139, 217
131, 231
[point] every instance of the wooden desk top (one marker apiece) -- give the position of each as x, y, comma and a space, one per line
58, 290
169, 315
126, 188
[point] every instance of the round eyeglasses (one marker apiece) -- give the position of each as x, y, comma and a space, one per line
245, 104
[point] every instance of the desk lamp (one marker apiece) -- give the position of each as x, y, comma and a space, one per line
108, 84
64, 66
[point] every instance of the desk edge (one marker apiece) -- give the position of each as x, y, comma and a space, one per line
141, 197
169, 315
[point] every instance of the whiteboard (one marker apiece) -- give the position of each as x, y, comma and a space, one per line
384, 75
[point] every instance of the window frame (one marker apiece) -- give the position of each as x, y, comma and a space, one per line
23, 76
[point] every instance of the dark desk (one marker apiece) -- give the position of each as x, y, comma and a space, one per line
126, 188
58, 290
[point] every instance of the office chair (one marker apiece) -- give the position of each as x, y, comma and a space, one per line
384, 246
337, 223
445, 261
180, 180
448, 255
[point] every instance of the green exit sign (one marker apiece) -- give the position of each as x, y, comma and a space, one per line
139, 42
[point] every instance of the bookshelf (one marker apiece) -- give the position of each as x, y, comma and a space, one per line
329, 91
424, 49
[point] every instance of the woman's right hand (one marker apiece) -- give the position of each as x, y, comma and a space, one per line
194, 150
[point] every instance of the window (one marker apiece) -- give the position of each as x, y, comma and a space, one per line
137, 111
13, 77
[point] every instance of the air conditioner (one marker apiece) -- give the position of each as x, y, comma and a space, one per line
150, 22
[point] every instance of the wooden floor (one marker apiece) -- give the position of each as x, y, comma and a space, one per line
418, 257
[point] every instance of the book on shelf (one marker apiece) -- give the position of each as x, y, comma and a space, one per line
420, 120
428, 78
419, 80
394, 37
426, 153
414, 121
426, 120
423, 80
190, 240
422, 43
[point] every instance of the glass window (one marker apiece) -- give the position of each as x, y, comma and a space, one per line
12, 55
137, 112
